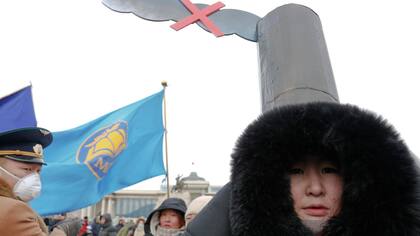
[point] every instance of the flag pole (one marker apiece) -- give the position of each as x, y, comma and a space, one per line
165, 84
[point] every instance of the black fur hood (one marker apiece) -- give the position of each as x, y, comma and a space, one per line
380, 194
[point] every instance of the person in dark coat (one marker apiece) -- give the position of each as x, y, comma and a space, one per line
121, 223
107, 229
377, 174
96, 225
167, 219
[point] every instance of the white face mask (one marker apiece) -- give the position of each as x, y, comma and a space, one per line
26, 188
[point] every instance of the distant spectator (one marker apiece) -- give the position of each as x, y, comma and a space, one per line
107, 229
139, 230
167, 219
96, 225
125, 230
120, 224
83, 229
195, 207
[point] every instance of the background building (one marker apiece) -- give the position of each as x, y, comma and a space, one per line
136, 203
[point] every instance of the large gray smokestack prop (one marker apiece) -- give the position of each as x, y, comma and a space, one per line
293, 58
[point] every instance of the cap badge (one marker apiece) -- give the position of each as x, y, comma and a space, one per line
44, 132
38, 149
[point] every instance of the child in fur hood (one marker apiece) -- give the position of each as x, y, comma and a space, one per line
167, 219
316, 169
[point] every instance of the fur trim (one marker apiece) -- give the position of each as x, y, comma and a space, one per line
380, 176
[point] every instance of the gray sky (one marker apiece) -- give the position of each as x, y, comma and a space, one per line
85, 60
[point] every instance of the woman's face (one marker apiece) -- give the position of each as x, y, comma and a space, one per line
316, 188
170, 219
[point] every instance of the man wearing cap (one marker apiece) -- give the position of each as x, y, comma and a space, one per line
21, 161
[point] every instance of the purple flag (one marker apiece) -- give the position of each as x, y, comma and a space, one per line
17, 110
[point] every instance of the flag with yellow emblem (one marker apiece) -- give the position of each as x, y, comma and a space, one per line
111, 152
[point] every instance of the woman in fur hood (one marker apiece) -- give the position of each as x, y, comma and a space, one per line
375, 176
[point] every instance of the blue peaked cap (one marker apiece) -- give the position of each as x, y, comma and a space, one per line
25, 144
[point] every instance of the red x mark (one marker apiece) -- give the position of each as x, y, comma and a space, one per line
200, 15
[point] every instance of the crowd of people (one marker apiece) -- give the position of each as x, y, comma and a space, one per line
169, 219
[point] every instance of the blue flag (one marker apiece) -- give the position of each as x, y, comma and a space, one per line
17, 110
114, 151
